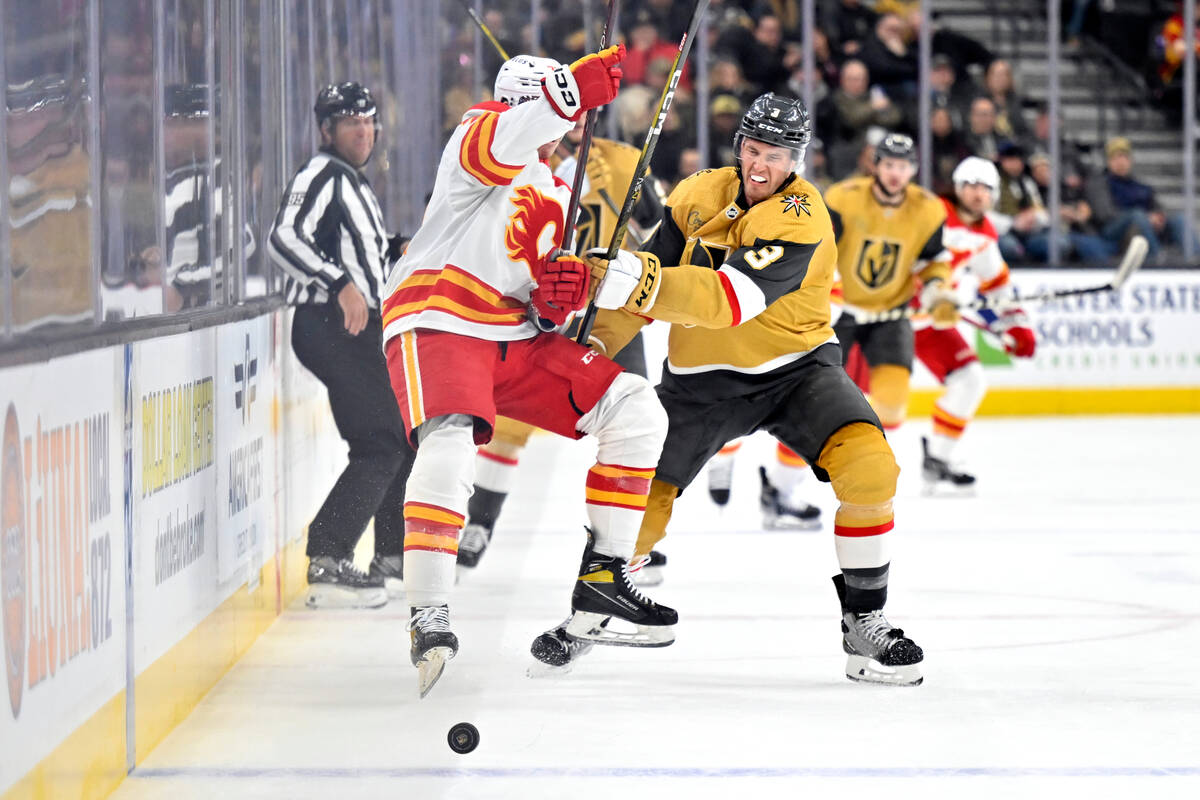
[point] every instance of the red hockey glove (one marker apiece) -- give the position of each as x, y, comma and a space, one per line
1020, 341
562, 287
589, 82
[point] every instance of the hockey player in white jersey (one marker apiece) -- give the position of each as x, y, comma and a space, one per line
972, 242
465, 322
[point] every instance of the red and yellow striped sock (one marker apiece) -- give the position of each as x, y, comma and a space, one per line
947, 424
430, 552
616, 500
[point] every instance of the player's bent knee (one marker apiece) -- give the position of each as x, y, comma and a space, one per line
860, 464
968, 384
629, 410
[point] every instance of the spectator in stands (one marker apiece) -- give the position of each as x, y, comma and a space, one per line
947, 92
1079, 238
1019, 214
644, 46
766, 61
948, 147
724, 115
689, 164
892, 63
816, 171
849, 25
981, 135
962, 50
725, 77
848, 113
1124, 206
1169, 48
998, 85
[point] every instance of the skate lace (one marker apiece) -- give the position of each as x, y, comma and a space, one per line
472, 539
630, 587
875, 627
638, 563
347, 568
430, 618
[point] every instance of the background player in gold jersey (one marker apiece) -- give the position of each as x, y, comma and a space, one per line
751, 348
610, 166
889, 243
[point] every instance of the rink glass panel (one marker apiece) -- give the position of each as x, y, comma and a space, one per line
48, 180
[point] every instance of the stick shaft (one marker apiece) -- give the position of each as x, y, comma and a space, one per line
639, 171
585, 143
466, 4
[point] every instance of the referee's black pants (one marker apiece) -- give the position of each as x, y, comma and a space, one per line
354, 371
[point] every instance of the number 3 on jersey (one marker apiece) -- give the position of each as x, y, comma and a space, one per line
764, 256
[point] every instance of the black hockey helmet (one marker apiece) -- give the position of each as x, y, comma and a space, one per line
347, 99
775, 120
896, 145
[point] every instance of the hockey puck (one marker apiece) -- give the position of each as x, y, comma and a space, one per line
463, 737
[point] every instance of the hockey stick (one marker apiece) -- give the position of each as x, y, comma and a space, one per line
608, 201
466, 4
643, 162
1131, 261
585, 143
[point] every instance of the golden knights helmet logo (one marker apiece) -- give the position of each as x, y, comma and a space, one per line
877, 262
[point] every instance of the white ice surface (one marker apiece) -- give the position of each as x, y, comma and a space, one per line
1058, 610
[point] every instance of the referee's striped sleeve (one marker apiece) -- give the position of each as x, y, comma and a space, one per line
291, 241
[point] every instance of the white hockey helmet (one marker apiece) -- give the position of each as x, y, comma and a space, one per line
520, 79
974, 169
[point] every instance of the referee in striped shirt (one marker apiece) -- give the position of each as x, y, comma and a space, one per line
329, 239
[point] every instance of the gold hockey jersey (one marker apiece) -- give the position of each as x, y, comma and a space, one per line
751, 294
880, 248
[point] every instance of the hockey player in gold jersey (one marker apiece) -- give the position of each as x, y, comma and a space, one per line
742, 266
610, 166
889, 242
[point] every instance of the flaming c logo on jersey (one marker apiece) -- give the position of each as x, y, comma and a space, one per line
535, 212
12, 558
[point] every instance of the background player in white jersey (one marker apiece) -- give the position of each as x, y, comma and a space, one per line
464, 328
971, 240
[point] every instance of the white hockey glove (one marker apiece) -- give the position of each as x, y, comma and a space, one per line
941, 303
629, 281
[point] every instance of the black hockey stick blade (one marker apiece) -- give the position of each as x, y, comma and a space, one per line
643, 162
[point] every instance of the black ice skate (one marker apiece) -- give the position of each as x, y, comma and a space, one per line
337, 583
651, 571
472, 543
390, 570
937, 474
432, 644
876, 652
778, 515
555, 651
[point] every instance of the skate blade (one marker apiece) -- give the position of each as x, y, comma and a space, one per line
327, 595
430, 668
586, 626
867, 670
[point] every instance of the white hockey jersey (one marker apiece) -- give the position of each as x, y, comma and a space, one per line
495, 211
975, 260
